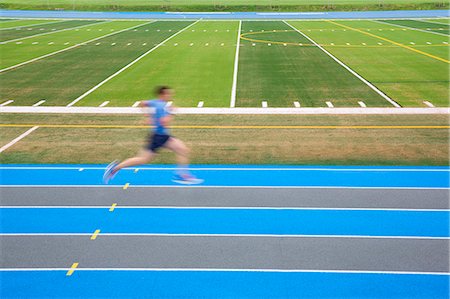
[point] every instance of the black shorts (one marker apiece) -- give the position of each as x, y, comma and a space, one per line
156, 141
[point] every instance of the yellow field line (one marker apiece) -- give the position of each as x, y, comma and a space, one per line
126, 186
95, 234
72, 269
113, 206
391, 41
227, 127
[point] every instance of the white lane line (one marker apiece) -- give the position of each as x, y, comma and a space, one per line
228, 208
136, 104
14, 141
33, 25
39, 103
410, 28
229, 235
347, 68
69, 48
329, 104
264, 104
428, 104
227, 270
362, 104
236, 65
200, 104
104, 104
128, 65
6, 103
297, 104
51, 32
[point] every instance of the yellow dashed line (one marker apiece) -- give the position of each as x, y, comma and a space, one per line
72, 269
95, 234
113, 206
126, 186
392, 42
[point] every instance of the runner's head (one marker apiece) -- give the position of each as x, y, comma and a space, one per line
164, 93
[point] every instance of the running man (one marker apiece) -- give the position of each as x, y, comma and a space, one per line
160, 137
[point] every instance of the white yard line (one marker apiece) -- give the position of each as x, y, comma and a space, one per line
14, 141
6, 103
329, 104
22, 26
39, 103
297, 104
136, 104
104, 104
347, 68
51, 32
226, 111
410, 28
432, 22
128, 65
69, 48
235, 71
428, 104
362, 104
200, 104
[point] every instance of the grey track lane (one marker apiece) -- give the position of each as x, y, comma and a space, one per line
226, 197
226, 253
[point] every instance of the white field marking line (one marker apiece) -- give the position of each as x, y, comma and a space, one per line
374, 88
104, 104
228, 270
225, 187
329, 104
428, 104
362, 104
297, 104
432, 22
264, 104
10, 28
39, 103
229, 169
6, 103
410, 28
51, 32
128, 65
230, 208
200, 104
14, 141
136, 104
71, 47
228, 236
236, 66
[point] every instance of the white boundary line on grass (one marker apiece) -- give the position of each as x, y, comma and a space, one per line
236, 65
226, 111
32, 25
14, 141
51, 32
128, 65
228, 270
395, 104
72, 47
410, 28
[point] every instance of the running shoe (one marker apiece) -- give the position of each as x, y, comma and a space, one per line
186, 179
109, 171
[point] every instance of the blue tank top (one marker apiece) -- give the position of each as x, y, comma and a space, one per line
161, 110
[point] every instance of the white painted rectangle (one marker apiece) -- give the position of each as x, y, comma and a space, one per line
428, 104
104, 104
362, 104
39, 103
6, 103
297, 104
329, 104
200, 104
264, 104
136, 104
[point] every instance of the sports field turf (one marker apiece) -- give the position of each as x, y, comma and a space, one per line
116, 63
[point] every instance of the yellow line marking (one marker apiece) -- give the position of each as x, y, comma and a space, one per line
95, 234
113, 206
72, 269
232, 127
392, 42
126, 186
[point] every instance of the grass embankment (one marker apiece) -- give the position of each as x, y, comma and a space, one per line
325, 146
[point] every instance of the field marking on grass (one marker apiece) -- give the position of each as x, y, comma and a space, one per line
422, 20
235, 71
411, 28
373, 87
428, 104
129, 65
136, 104
84, 126
71, 47
297, 104
264, 104
9, 28
104, 104
14, 141
39, 103
51, 32
362, 104
392, 42
329, 104
6, 103
200, 104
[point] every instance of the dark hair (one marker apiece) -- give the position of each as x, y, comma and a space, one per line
161, 89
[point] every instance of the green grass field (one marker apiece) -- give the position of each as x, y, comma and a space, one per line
406, 60
222, 5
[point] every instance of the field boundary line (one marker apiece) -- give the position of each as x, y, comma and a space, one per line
422, 20
9, 28
71, 47
128, 65
370, 85
226, 111
236, 66
392, 42
410, 28
47, 33
17, 139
